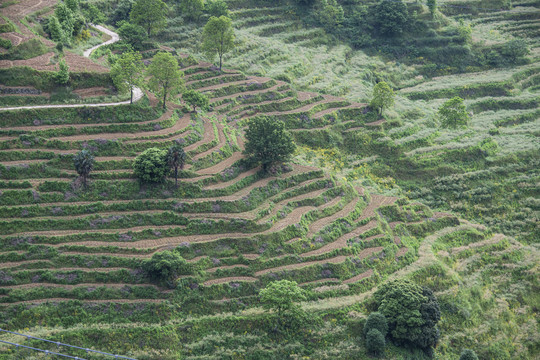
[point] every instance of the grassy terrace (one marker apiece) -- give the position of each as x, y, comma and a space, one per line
365, 199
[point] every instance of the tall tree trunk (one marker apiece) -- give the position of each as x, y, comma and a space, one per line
164, 97
220, 61
176, 175
131, 101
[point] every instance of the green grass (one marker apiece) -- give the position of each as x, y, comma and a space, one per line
486, 172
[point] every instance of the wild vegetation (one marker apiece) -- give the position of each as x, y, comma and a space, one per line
341, 179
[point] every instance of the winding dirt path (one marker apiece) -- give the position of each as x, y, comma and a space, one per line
137, 93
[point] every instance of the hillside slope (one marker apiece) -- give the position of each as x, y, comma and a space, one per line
71, 258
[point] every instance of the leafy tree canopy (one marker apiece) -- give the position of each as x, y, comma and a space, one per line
150, 14
468, 355
377, 321
195, 99
391, 17
218, 38
132, 34
375, 342
217, 8
383, 97
281, 296
176, 158
412, 313
151, 165
453, 113
329, 13
84, 163
127, 72
122, 11
268, 142
166, 266
165, 75
62, 75
191, 9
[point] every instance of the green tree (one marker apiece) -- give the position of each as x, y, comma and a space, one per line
217, 8
121, 11
84, 163
514, 50
281, 296
133, 34
412, 313
191, 9
94, 14
166, 266
330, 13
150, 14
195, 99
383, 97
62, 75
165, 76
432, 6
218, 37
127, 72
468, 355
376, 321
375, 342
67, 22
55, 30
453, 113
391, 17
267, 142
151, 165
176, 158
73, 5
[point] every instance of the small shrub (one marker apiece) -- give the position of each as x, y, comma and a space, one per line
376, 321
468, 355
166, 266
375, 342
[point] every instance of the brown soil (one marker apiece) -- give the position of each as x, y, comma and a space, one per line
253, 92
107, 231
248, 81
65, 286
402, 252
336, 260
341, 242
213, 270
318, 225
114, 301
92, 92
376, 123
229, 280
320, 114
359, 277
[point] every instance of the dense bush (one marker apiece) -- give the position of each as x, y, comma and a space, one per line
151, 165
391, 17
376, 321
468, 355
375, 342
412, 313
166, 266
267, 142
133, 34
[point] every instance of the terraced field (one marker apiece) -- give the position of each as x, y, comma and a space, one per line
467, 171
71, 258
62, 243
